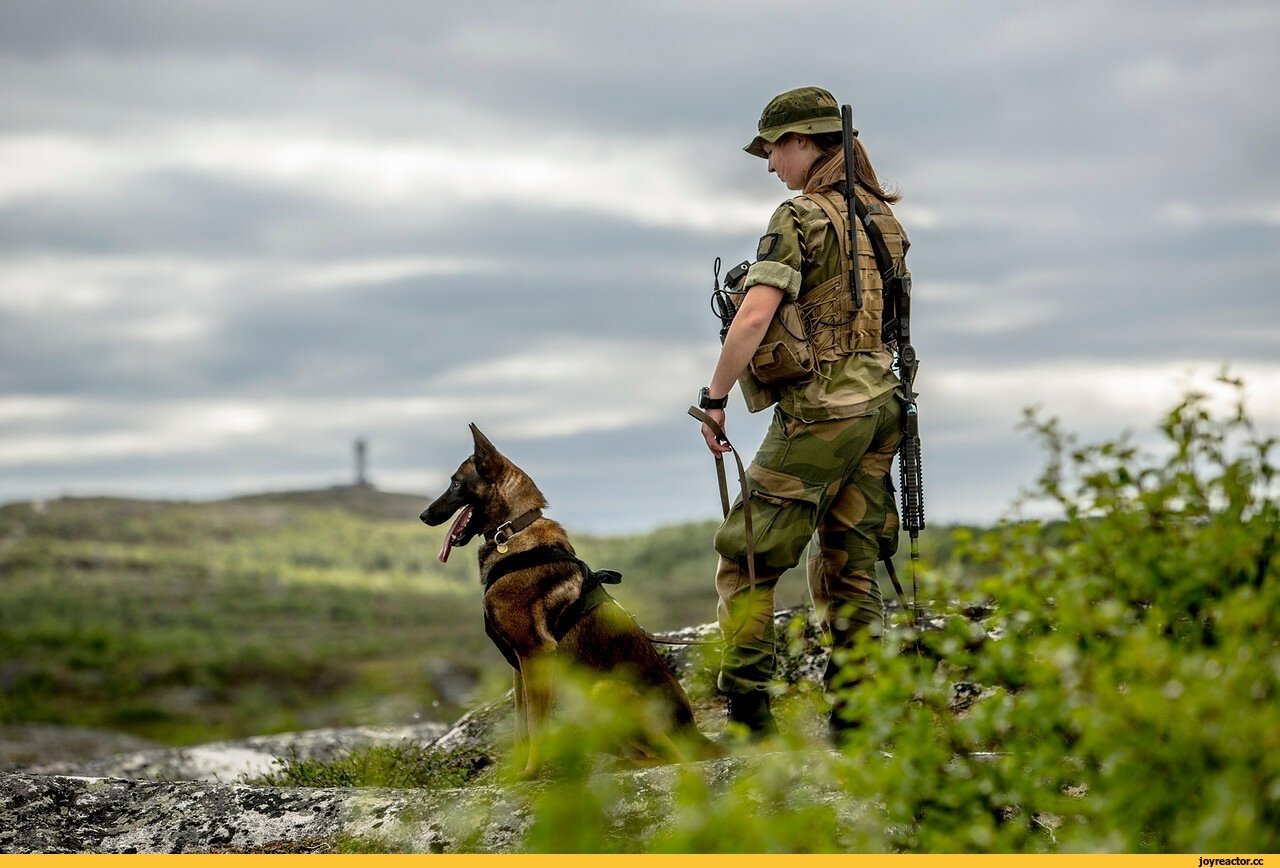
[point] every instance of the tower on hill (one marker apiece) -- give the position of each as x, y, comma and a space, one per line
362, 456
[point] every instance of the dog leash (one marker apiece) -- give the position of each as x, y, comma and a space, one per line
718, 430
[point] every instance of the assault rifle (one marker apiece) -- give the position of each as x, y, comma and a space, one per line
910, 468
896, 332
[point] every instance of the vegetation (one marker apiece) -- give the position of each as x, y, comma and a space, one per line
187, 622
406, 765
191, 622
1130, 661
1132, 694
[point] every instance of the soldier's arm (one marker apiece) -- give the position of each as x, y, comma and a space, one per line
774, 275
743, 339
740, 345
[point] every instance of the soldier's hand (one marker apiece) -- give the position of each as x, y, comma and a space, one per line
717, 447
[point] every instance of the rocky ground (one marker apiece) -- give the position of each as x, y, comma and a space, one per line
192, 800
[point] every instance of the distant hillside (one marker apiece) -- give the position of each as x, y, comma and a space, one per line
185, 621
364, 500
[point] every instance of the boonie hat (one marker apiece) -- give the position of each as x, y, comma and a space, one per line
803, 110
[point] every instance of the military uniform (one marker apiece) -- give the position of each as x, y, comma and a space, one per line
822, 472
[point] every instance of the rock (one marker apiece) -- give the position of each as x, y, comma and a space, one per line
231, 761
188, 814
88, 815
27, 745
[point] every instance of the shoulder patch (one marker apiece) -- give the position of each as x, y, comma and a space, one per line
768, 244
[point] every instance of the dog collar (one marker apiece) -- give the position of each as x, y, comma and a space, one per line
505, 531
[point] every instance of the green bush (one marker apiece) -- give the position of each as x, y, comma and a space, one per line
1129, 683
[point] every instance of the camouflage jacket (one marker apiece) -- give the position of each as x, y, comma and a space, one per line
801, 252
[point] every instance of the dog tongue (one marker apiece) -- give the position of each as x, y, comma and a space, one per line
458, 524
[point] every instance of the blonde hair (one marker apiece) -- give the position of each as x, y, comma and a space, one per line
829, 168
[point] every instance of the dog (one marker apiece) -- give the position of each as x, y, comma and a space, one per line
541, 602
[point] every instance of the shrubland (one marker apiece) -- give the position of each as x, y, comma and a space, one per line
1128, 663
1130, 675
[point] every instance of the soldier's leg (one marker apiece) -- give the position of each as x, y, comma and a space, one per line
858, 528
745, 613
784, 511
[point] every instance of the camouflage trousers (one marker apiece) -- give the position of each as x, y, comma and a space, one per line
827, 482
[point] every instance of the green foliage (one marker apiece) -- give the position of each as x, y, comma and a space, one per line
188, 622
191, 622
1130, 676
1136, 674
406, 765
1129, 663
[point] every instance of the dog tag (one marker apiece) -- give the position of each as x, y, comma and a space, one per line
502, 548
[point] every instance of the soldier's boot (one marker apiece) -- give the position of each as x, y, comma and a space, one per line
841, 678
843, 718
753, 711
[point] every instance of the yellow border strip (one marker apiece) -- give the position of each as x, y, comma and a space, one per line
852, 860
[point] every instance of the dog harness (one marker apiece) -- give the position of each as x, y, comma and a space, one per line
592, 597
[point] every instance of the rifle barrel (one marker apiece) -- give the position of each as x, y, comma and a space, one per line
850, 198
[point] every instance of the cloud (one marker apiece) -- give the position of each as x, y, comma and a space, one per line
235, 237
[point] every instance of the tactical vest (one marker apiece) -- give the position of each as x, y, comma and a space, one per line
834, 329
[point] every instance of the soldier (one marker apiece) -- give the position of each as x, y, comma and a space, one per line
822, 471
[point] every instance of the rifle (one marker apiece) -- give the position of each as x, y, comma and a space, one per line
850, 197
896, 332
910, 467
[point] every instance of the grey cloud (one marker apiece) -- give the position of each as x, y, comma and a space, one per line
1044, 147
171, 212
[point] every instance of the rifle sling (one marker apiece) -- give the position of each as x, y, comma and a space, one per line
884, 264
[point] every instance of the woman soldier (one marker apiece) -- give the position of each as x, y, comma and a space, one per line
822, 471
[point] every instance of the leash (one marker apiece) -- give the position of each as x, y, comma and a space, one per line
718, 430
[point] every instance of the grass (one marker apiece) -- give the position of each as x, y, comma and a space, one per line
407, 766
191, 622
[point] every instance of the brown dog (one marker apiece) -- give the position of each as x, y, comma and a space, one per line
540, 601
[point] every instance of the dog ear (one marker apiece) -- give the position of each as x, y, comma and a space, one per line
488, 459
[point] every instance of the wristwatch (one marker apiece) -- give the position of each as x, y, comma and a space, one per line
706, 402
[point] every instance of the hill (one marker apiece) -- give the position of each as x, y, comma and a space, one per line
361, 500
186, 622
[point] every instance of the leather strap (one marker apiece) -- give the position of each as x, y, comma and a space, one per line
897, 587
718, 430
505, 531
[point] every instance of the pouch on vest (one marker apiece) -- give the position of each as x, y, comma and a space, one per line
756, 394
785, 354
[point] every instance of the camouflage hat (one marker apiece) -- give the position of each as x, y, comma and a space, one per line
806, 110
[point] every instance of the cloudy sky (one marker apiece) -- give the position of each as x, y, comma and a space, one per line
235, 236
